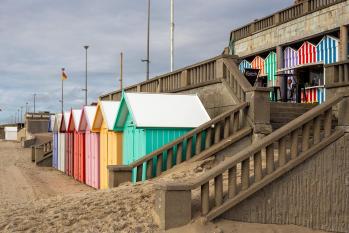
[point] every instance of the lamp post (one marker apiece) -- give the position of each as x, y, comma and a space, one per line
172, 36
147, 61
26, 108
34, 102
86, 47
21, 114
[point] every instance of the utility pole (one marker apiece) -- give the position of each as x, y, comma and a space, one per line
121, 69
148, 42
21, 114
34, 102
86, 47
172, 35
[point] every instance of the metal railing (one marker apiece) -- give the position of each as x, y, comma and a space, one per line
289, 145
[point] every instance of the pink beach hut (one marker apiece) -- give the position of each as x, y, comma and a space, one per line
91, 146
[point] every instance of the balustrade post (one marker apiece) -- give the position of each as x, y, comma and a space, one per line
118, 174
306, 6
220, 74
160, 86
185, 78
259, 111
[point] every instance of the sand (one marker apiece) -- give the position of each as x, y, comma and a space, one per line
34, 199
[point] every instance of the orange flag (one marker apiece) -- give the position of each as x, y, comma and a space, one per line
64, 75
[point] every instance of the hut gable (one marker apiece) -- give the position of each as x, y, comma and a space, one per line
307, 53
290, 57
74, 121
327, 50
258, 63
106, 111
57, 123
87, 116
161, 111
65, 121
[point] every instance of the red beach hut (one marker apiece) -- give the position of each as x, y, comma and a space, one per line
79, 146
306, 53
91, 146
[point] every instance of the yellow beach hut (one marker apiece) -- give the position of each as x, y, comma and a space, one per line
110, 140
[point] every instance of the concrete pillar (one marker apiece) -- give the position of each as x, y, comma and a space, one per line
281, 80
220, 69
259, 111
344, 42
118, 174
172, 207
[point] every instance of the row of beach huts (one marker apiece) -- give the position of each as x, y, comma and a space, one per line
87, 140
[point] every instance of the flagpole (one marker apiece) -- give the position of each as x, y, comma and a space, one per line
62, 91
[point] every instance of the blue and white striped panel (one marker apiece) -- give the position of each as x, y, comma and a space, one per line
327, 50
244, 64
321, 95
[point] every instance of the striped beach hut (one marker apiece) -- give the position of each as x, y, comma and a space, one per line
306, 53
91, 146
61, 147
258, 63
290, 57
69, 144
270, 68
327, 50
110, 152
149, 121
56, 144
244, 64
79, 146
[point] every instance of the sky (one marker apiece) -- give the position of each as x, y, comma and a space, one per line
39, 37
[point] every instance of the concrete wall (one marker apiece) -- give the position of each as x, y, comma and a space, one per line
314, 194
34, 126
217, 98
312, 24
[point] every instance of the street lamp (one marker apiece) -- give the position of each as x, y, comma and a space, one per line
86, 47
34, 102
148, 42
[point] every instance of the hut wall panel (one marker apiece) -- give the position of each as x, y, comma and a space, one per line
243, 65
258, 63
306, 53
327, 50
270, 68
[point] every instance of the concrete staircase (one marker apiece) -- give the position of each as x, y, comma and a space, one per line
283, 113
252, 169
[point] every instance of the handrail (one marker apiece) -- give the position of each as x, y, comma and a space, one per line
281, 17
193, 143
309, 126
200, 72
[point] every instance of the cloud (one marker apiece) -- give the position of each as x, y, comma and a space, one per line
39, 37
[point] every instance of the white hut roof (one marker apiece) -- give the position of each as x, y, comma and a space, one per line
108, 112
76, 114
87, 117
57, 123
10, 129
166, 110
65, 121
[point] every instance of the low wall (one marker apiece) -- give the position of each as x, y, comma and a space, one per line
314, 194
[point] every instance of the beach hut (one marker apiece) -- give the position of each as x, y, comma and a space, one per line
306, 53
290, 58
56, 142
149, 121
270, 68
258, 63
78, 146
110, 141
69, 144
10, 133
51, 123
327, 50
91, 146
243, 65
61, 141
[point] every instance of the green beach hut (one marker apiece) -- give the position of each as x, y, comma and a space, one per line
149, 121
